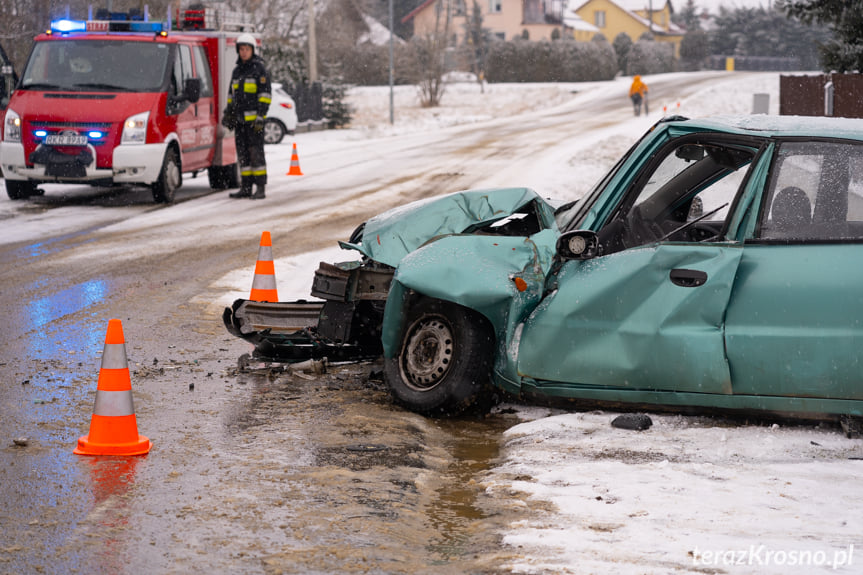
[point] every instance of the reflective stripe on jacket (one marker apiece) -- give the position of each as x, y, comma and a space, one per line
249, 93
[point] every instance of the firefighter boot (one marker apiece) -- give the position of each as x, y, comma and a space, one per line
259, 193
245, 191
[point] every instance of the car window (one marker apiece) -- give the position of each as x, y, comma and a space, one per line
815, 192
685, 196
202, 70
182, 70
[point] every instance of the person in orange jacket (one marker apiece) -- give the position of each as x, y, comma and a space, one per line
638, 94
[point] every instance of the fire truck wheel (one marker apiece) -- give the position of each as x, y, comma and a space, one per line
170, 178
274, 131
20, 189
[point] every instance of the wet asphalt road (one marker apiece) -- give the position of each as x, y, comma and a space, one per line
262, 471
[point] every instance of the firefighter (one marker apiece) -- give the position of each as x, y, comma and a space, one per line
248, 101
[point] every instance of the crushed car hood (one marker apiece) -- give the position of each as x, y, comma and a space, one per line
390, 236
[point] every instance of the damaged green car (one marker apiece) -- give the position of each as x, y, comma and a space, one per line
716, 266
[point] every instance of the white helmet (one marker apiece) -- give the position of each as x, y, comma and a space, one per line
246, 39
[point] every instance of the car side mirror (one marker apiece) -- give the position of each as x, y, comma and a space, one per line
192, 89
578, 245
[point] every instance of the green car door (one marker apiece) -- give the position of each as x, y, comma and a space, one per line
795, 320
648, 315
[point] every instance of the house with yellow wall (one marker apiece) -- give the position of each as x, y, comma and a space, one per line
633, 18
506, 19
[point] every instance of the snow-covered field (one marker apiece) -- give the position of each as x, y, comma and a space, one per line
690, 494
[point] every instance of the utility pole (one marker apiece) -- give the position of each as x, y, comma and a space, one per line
392, 119
313, 45
650, 14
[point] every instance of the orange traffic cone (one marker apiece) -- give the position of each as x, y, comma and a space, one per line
113, 428
295, 163
264, 282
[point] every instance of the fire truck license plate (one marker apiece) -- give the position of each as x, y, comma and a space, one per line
66, 139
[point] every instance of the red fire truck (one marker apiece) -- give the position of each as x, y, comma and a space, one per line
119, 99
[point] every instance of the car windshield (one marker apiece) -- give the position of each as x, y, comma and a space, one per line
569, 216
97, 66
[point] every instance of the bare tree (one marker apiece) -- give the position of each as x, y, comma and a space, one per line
478, 38
430, 52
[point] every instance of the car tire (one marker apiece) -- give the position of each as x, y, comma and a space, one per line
170, 178
224, 177
20, 189
443, 365
274, 131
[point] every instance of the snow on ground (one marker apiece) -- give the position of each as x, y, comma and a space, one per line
689, 495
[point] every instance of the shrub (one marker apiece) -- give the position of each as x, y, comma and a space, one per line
562, 61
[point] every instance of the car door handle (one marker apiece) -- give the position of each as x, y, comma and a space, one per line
688, 278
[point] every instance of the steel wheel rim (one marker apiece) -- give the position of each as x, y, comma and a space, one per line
428, 353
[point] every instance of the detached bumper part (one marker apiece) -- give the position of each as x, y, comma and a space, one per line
287, 332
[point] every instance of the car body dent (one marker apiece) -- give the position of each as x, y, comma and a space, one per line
484, 281
618, 321
390, 236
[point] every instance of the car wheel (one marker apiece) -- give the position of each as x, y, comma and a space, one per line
170, 178
443, 364
224, 177
274, 131
20, 189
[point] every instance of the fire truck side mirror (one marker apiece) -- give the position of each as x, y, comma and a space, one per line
192, 89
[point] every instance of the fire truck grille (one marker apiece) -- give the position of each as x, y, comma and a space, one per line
74, 125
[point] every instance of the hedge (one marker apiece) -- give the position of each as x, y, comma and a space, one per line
559, 61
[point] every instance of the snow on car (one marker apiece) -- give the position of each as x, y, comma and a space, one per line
713, 267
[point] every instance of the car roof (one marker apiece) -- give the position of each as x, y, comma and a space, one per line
771, 125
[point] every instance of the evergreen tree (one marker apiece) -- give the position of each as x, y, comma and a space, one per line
694, 49
622, 44
843, 52
761, 32
688, 17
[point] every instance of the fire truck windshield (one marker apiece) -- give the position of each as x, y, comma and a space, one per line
97, 66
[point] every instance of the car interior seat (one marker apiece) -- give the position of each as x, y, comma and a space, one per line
791, 209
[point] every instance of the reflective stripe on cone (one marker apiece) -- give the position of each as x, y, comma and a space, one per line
264, 282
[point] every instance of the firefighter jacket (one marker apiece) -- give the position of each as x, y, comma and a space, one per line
249, 95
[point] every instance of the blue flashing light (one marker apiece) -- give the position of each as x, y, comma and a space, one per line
95, 134
154, 27
40, 133
65, 26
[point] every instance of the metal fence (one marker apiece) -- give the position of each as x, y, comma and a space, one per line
753, 63
821, 95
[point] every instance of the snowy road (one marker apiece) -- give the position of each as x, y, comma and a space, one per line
265, 472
